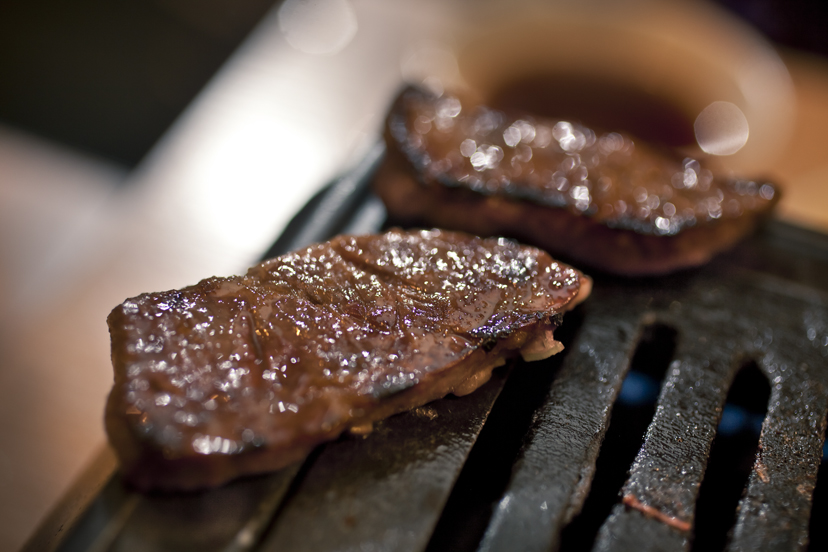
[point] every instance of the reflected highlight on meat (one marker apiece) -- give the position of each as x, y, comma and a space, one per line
600, 198
247, 374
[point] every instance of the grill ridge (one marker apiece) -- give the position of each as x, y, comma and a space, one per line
631, 415
731, 459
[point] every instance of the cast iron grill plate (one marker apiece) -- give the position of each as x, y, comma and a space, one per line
765, 303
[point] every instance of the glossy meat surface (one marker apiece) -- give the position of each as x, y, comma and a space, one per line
246, 374
570, 171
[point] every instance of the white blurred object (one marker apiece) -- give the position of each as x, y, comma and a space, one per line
318, 26
430, 63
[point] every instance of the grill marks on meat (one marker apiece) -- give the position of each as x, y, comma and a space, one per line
601, 199
247, 374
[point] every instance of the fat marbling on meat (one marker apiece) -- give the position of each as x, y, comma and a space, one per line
602, 199
247, 374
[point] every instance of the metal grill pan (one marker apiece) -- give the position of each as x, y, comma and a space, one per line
766, 303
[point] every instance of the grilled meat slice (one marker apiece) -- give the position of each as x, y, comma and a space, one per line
603, 200
247, 374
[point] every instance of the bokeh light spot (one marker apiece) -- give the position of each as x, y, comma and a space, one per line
721, 129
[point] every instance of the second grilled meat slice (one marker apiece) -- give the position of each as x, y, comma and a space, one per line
601, 199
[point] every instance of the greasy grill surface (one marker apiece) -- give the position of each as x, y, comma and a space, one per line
766, 304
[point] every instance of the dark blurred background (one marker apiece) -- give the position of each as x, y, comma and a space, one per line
109, 77
801, 24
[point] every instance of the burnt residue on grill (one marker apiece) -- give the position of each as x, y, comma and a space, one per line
762, 310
